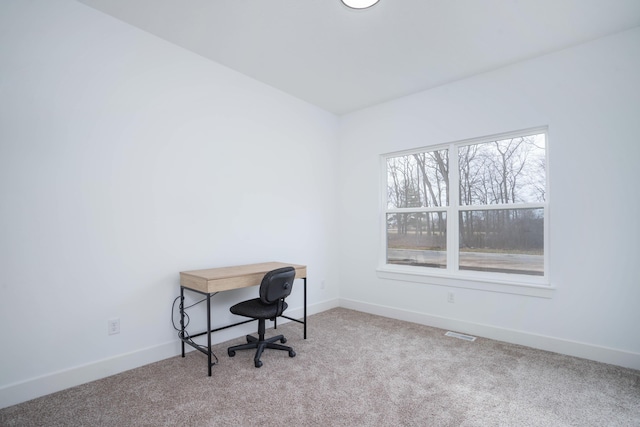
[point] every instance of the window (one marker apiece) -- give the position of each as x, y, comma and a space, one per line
470, 210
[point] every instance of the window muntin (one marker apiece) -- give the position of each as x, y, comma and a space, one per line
497, 217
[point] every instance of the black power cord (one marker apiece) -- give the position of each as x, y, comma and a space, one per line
182, 332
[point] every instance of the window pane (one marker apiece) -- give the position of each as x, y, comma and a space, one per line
418, 180
503, 240
417, 239
500, 172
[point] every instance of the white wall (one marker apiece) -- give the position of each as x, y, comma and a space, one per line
589, 96
123, 161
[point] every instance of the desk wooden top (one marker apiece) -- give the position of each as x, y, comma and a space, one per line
226, 278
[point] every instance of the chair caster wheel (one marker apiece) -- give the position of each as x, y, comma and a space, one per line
283, 340
292, 353
258, 363
231, 353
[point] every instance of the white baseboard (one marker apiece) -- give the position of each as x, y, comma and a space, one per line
557, 345
298, 313
15, 393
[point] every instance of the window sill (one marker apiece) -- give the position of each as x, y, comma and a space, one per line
503, 283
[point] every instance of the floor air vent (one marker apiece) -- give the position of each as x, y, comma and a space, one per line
460, 336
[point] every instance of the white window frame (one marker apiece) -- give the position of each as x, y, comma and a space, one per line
521, 284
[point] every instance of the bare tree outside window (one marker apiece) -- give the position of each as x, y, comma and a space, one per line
504, 172
500, 208
419, 180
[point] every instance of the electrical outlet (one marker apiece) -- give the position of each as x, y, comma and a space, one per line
113, 326
451, 297
322, 285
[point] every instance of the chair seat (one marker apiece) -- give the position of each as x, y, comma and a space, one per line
256, 309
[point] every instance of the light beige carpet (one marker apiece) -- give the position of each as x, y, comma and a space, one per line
354, 369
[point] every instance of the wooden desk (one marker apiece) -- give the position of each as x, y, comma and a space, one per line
213, 280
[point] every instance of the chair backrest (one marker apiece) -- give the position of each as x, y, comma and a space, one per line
277, 285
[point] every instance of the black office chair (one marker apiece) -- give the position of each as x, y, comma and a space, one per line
275, 287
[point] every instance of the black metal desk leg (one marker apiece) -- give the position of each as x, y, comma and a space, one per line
182, 318
305, 308
209, 331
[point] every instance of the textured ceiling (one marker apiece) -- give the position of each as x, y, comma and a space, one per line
342, 59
